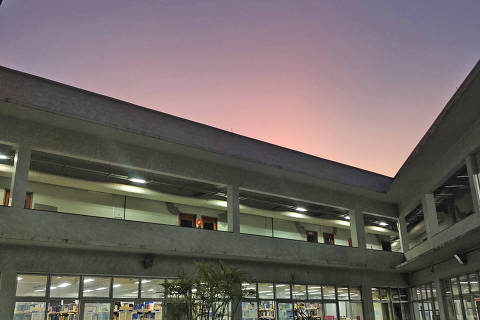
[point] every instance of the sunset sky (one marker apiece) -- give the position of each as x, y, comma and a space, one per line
358, 82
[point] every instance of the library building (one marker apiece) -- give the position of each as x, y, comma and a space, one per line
102, 202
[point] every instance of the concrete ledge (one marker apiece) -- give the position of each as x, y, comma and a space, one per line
52, 229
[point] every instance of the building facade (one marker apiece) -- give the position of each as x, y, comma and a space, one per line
103, 200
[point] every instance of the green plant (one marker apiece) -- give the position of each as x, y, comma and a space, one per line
208, 294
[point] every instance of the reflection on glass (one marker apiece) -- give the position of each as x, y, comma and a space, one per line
266, 309
29, 311
31, 285
473, 282
314, 292
382, 310
249, 311
249, 290
342, 293
356, 310
329, 292
282, 291
96, 286
285, 311
96, 311
152, 288
64, 286
299, 292
125, 287
265, 290
355, 293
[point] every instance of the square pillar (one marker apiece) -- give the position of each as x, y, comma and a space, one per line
473, 178
430, 215
233, 209
19, 182
8, 283
368, 311
357, 228
437, 284
403, 233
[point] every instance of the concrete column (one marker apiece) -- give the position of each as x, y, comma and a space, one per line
237, 308
368, 311
19, 184
473, 177
403, 233
441, 303
233, 209
357, 228
430, 215
8, 283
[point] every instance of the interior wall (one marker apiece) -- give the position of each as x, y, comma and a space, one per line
62, 199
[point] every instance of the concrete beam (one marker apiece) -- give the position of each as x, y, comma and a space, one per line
233, 209
19, 182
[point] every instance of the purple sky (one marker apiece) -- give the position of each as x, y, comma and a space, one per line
357, 82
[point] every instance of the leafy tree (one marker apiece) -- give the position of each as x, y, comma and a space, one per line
207, 294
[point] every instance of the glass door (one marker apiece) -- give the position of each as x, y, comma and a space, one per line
285, 311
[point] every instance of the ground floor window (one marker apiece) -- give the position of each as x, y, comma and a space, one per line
425, 303
462, 297
390, 303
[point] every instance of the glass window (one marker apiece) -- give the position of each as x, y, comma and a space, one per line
249, 290
314, 292
381, 310
265, 290
94, 311
299, 292
454, 283
282, 291
63, 309
464, 284
469, 309
152, 288
384, 294
329, 292
125, 287
266, 309
423, 290
285, 311
473, 282
395, 295
249, 310
355, 293
29, 311
375, 294
330, 310
342, 293
356, 311
413, 293
403, 294
64, 286
96, 286
29, 285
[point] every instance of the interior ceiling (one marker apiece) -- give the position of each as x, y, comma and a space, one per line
9, 152
414, 217
93, 171
455, 186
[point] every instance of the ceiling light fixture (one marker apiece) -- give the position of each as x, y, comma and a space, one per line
4, 157
19, 278
64, 284
137, 180
300, 209
383, 223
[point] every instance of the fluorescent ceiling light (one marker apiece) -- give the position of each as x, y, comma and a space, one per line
146, 281
88, 290
88, 280
19, 278
116, 285
64, 284
102, 288
347, 217
383, 223
4, 157
53, 288
300, 209
137, 180
39, 290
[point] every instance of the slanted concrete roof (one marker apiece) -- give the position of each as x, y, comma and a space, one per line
50, 96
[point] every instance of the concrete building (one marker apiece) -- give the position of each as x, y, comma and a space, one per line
103, 199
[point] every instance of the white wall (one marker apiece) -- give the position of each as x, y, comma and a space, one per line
77, 201
287, 229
